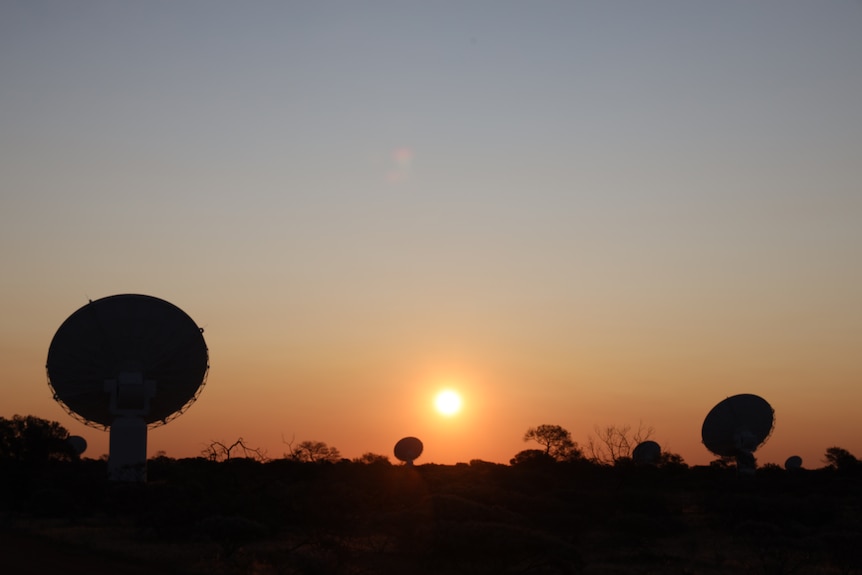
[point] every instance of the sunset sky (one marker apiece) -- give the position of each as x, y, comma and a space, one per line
574, 213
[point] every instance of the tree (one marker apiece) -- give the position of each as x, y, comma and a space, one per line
218, 451
614, 442
372, 459
840, 459
723, 462
668, 460
531, 457
556, 440
313, 452
31, 440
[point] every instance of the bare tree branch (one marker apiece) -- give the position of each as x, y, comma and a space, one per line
218, 451
614, 442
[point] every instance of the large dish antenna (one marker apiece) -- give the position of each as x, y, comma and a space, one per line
408, 449
736, 427
793, 463
77, 443
126, 362
646, 453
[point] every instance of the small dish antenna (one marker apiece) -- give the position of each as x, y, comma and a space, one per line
408, 449
77, 443
125, 363
646, 453
736, 427
793, 462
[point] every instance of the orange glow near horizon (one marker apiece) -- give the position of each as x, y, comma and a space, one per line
356, 242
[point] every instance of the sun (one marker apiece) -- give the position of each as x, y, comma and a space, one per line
447, 402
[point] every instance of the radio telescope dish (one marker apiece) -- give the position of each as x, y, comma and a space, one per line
646, 453
793, 462
77, 443
126, 362
408, 449
736, 427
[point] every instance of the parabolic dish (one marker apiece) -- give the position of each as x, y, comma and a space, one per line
740, 423
793, 462
77, 443
646, 453
120, 334
408, 449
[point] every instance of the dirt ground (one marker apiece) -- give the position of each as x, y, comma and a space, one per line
25, 554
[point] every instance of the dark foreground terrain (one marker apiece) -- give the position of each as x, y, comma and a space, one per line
197, 516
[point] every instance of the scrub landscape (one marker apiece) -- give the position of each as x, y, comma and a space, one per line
233, 513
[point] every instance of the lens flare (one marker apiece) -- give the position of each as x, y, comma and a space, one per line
401, 158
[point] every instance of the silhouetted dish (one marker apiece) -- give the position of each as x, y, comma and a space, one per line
408, 449
793, 462
646, 453
738, 424
78, 443
127, 333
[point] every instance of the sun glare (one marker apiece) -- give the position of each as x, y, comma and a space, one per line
448, 402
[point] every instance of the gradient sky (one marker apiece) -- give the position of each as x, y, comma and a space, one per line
576, 213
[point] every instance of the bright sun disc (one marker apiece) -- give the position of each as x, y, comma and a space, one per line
448, 402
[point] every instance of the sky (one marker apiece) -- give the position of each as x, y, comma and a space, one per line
574, 213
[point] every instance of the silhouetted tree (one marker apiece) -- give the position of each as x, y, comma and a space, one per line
218, 451
614, 442
556, 440
313, 452
531, 457
840, 459
31, 440
670, 460
723, 462
372, 459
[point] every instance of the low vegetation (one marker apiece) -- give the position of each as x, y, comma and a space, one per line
538, 515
